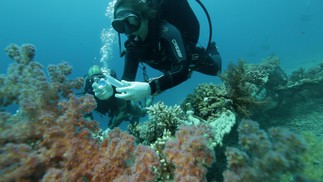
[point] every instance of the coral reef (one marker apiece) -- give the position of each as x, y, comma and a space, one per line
210, 104
161, 118
264, 157
265, 72
241, 88
166, 170
247, 89
302, 84
208, 101
300, 96
190, 153
33, 86
48, 138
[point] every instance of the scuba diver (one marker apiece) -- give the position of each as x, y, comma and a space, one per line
118, 110
164, 38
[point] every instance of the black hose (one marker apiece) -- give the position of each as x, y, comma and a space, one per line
210, 33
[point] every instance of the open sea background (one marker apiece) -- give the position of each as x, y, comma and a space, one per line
64, 30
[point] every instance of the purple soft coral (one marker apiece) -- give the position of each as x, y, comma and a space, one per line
263, 157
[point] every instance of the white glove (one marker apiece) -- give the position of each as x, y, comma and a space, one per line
133, 90
102, 92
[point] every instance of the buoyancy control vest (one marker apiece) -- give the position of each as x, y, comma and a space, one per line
180, 14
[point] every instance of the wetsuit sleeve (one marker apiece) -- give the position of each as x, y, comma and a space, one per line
130, 67
175, 54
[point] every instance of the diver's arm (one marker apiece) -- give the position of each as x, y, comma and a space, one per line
130, 67
178, 74
172, 40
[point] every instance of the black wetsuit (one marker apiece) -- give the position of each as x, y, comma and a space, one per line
107, 106
165, 51
118, 110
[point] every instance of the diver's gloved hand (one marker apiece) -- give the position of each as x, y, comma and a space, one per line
102, 92
133, 90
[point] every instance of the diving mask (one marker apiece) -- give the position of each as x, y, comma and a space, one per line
96, 78
127, 21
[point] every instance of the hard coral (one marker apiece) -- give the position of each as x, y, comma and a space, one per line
208, 101
161, 118
210, 104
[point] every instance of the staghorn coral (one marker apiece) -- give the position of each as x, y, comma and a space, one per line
161, 118
264, 157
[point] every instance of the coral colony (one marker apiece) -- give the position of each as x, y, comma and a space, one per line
48, 139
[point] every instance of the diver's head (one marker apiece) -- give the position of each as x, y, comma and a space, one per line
131, 17
127, 21
95, 73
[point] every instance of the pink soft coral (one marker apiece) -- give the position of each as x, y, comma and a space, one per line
49, 139
190, 153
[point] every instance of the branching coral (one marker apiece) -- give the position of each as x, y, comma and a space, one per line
209, 104
264, 157
161, 118
260, 74
208, 101
166, 169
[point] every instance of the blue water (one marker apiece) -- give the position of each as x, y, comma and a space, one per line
250, 29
